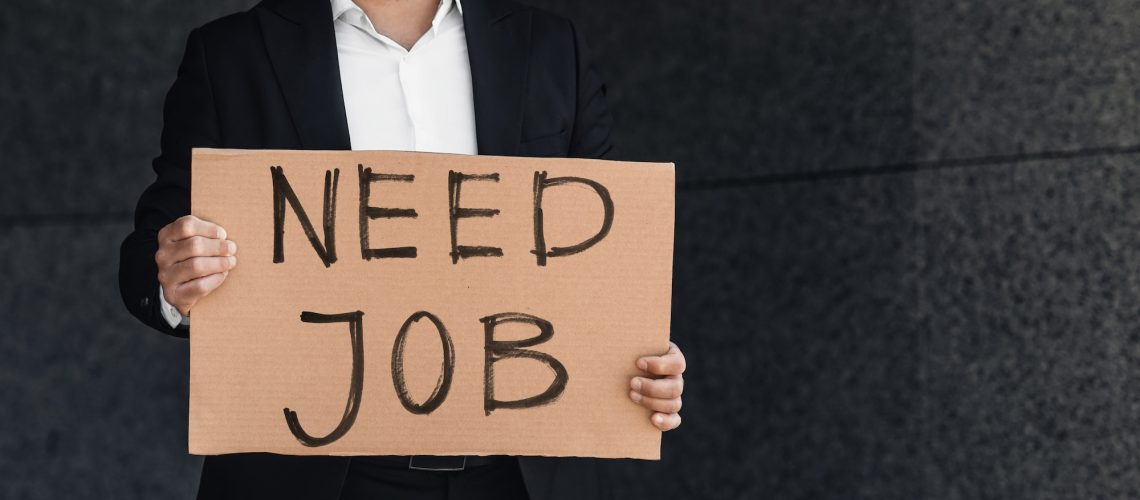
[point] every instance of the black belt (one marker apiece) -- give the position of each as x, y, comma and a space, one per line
434, 463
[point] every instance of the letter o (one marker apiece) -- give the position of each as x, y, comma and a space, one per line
441, 386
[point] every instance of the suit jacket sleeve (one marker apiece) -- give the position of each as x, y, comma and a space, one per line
189, 121
590, 137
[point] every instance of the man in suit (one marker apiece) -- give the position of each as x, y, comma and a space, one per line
462, 76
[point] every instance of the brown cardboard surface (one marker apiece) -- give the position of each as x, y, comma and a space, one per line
252, 356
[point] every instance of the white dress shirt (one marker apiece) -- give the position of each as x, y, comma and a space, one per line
399, 99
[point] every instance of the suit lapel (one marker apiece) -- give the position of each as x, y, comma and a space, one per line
302, 49
497, 39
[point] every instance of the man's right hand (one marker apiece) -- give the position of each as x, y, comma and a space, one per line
194, 257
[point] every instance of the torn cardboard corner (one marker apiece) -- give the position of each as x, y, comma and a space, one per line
394, 303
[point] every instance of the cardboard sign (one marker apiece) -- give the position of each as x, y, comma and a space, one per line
393, 303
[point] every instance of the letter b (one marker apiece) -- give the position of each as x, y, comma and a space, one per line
495, 350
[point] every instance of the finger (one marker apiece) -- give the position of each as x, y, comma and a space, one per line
656, 404
197, 246
191, 291
670, 363
666, 421
667, 388
197, 267
188, 226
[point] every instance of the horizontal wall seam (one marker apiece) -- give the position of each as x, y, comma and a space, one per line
112, 218
901, 168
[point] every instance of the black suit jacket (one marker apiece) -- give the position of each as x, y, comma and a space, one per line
269, 78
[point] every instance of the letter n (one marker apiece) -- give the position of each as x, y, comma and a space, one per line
283, 192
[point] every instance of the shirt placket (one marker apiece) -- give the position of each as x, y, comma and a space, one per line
407, 72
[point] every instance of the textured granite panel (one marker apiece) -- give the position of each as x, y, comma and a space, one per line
963, 334
996, 78
730, 88
81, 98
793, 305
93, 403
1029, 281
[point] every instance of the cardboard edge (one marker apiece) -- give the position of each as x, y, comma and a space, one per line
204, 154
228, 152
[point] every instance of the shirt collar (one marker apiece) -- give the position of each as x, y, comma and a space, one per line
339, 7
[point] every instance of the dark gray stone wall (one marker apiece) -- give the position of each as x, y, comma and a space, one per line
906, 259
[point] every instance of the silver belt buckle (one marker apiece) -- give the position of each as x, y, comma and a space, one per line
412, 465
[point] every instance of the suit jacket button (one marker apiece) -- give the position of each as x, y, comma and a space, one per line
144, 302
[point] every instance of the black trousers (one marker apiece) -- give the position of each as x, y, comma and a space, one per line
371, 480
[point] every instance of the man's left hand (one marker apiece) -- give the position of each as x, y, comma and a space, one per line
661, 390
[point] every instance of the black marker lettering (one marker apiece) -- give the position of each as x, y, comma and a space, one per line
283, 192
540, 184
495, 350
454, 181
369, 212
355, 322
441, 386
